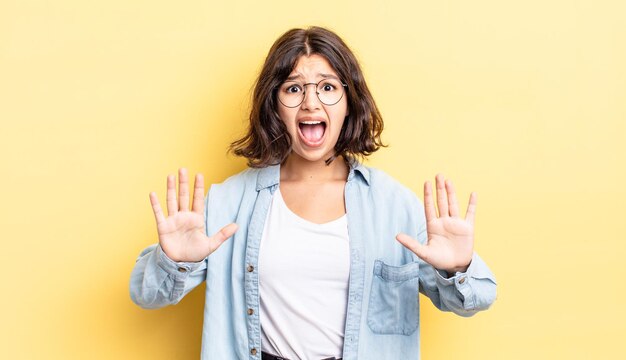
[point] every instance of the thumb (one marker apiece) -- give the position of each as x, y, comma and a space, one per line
422, 251
219, 237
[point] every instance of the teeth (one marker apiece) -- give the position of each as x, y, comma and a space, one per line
311, 122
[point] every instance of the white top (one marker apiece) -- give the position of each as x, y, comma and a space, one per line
303, 280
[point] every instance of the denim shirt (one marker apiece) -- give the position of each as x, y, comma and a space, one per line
382, 318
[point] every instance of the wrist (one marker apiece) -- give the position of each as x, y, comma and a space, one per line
453, 271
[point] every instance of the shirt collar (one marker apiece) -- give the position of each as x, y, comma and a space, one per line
270, 175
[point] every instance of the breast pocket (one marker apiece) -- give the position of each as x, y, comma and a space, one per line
393, 303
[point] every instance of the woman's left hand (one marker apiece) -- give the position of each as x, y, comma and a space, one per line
450, 243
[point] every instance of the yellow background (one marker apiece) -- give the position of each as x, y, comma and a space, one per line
523, 102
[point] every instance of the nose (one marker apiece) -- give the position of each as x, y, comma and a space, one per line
311, 101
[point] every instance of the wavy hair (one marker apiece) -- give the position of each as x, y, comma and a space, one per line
267, 141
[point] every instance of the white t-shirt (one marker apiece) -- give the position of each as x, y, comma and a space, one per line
304, 270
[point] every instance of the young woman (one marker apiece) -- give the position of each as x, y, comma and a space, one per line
326, 256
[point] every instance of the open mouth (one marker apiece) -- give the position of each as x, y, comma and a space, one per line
312, 131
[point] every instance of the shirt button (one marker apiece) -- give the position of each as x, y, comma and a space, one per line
462, 280
253, 351
250, 268
182, 269
250, 311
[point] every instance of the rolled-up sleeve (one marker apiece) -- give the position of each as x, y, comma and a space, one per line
157, 281
467, 292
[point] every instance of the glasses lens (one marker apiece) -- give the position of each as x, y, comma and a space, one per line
330, 91
291, 93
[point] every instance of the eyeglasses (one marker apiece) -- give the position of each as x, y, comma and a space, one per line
329, 92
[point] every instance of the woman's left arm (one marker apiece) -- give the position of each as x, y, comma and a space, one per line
454, 277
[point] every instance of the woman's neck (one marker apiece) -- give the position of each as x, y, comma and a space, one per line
295, 168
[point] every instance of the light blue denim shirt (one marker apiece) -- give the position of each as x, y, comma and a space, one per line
382, 319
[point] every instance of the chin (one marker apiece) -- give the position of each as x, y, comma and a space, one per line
313, 156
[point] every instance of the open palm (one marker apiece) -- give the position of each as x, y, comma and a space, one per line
450, 243
182, 234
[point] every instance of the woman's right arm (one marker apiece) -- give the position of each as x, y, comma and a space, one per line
164, 273
157, 280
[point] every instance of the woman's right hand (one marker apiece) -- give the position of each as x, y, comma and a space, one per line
182, 234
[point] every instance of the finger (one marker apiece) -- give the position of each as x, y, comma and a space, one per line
156, 208
172, 205
198, 195
223, 235
442, 199
453, 204
471, 208
422, 251
183, 190
429, 204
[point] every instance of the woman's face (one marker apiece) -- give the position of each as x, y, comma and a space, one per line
313, 126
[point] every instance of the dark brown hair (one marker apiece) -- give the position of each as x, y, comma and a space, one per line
267, 141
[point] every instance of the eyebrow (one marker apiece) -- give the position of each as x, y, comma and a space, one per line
325, 76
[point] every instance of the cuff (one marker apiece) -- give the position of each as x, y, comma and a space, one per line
177, 269
460, 280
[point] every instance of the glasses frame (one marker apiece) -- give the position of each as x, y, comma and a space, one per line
316, 92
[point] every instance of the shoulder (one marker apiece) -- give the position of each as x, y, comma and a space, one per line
225, 201
383, 183
236, 184
395, 202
